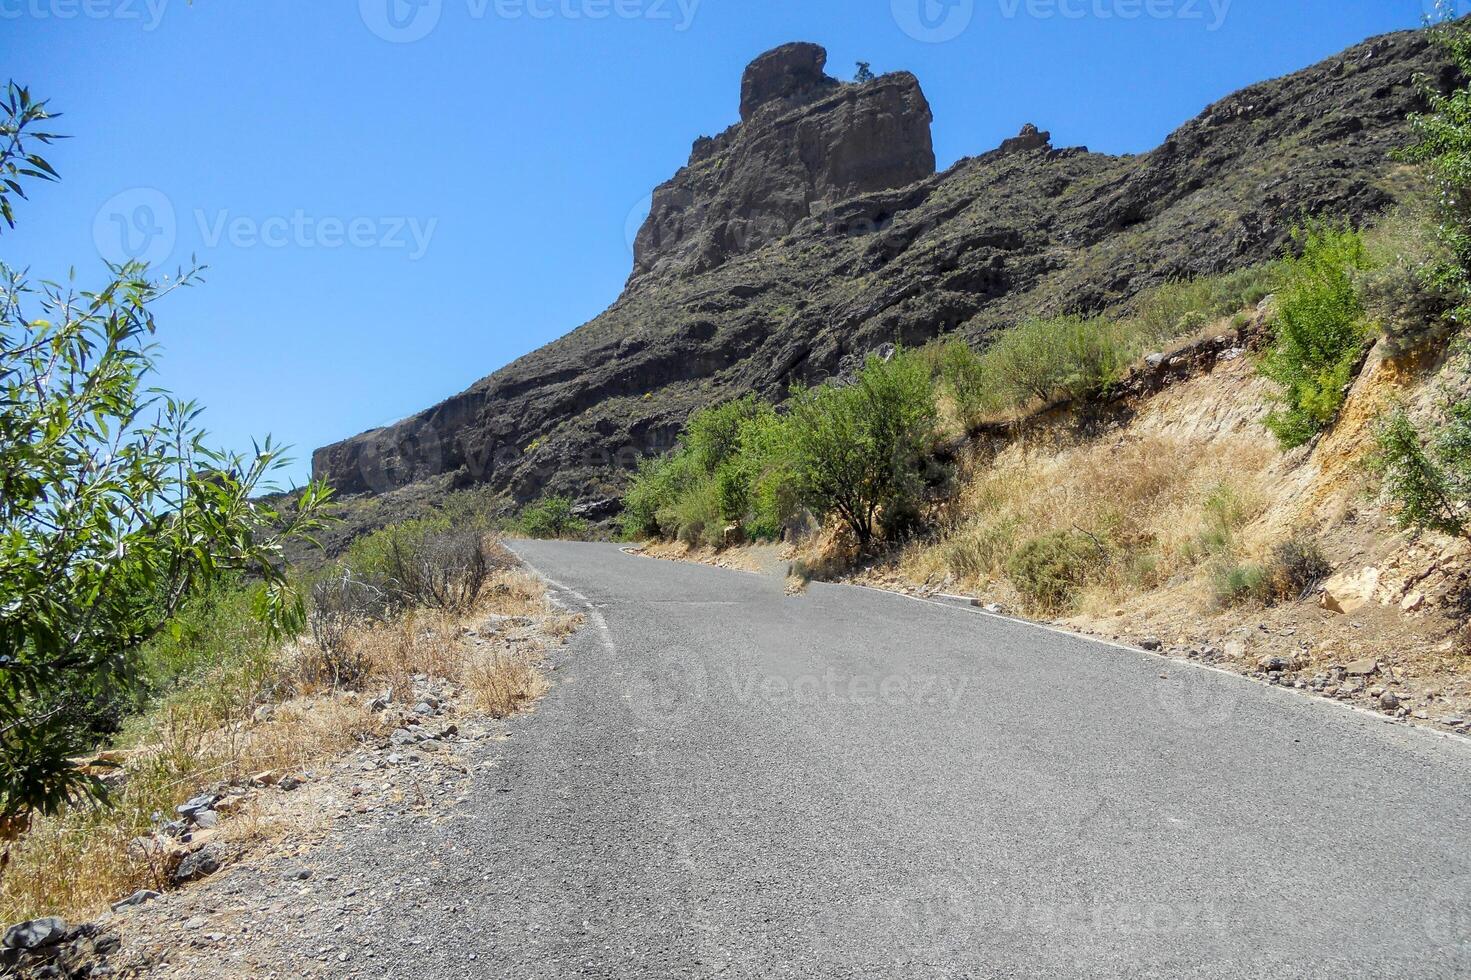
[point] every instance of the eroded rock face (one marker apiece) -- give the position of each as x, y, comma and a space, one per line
806, 142
814, 231
790, 72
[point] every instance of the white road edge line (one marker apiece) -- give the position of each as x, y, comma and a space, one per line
1290, 693
1463, 741
605, 635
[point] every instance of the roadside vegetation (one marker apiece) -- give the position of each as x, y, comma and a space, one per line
154, 639
1088, 526
220, 697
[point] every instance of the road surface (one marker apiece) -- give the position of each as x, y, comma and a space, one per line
726, 781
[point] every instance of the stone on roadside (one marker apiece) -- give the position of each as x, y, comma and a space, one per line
140, 897
1366, 667
35, 934
201, 864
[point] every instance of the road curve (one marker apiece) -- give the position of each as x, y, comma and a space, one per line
726, 781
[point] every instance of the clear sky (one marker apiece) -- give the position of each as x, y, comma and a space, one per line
396, 197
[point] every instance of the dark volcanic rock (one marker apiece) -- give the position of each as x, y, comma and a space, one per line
792, 71
814, 230
806, 142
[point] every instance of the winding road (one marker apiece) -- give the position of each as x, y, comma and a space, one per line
726, 781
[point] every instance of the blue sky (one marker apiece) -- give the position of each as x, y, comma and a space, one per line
396, 197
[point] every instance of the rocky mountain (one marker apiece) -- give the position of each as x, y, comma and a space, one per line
816, 229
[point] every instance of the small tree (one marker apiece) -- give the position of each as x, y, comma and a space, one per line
864, 73
112, 508
550, 517
856, 451
1320, 332
1443, 149
1429, 480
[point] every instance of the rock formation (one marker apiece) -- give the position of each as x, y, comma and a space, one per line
815, 229
805, 142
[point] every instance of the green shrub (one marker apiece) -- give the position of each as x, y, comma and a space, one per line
1050, 570
1443, 149
1295, 566
1320, 332
654, 487
1428, 479
1234, 583
1403, 290
550, 517
214, 624
964, 377
1179, 308
772, 497
426, 562
856, 451
727, 470
1060, 358
371, 556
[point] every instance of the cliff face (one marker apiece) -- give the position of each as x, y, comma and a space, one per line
805, 143
816, 229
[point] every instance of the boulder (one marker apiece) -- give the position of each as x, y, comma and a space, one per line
35, 934
1348, 592
200, 864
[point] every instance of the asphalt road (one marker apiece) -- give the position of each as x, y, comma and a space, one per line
729, 782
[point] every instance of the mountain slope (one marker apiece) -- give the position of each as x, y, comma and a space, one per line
815, 229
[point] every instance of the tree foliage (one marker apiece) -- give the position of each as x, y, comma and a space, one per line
1443, 149
1429, 479
1320, 332
113, 509
857, 449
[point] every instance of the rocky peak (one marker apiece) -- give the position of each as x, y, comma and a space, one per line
805, 143
790, 72
1028, 139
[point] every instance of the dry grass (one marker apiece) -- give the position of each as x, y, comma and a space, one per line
503, 682
1151, 506
266, 714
